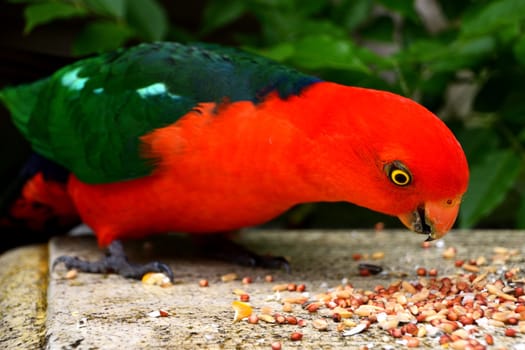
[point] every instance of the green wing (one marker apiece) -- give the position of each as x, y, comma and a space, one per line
90, 115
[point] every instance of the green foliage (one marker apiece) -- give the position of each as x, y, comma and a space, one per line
109, 24
466, 62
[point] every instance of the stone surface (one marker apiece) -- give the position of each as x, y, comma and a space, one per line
23, 281
110, 312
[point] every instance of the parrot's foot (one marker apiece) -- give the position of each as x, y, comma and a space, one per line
223, 248
115, 261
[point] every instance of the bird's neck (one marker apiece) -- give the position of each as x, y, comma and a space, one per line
284, 151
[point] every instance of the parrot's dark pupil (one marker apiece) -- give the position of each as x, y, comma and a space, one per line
400, 178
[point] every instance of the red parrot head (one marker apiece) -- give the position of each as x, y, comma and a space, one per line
392, 155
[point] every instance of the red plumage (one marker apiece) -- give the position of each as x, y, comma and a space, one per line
227, 166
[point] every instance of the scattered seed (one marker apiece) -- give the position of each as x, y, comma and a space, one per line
409, 288
268, 278
253, 319
421, 332
449, 253
154, 314
291, 320
357, 256
280, 287
313, 307
266, 310
320, 324
295, 300
454, 309
280, 319
355, 330
510, 332
396, 332
460, 344
377, 255
71, 274
470, 268
229, 277
344, 313
276, 345
247, 280
379, 226
367, 310
481, 260
296, 336
163, 313
500, 250
412, 342
287, 307
267, 318
242, 310
204, 283
480, 277
492, 289
156, 279
421, 271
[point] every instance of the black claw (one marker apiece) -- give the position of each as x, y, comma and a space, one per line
115, 261
275, 262
223, 248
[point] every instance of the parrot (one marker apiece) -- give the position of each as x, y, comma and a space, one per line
206, 139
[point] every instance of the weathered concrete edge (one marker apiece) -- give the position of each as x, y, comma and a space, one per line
23, 297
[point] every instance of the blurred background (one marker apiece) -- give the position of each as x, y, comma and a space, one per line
464, 60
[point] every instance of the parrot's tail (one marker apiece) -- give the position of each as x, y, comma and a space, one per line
36, 205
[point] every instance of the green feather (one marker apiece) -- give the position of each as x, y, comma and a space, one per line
89, 116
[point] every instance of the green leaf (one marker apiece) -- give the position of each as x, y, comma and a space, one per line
219, 13
519, 50
352, 13
465, 53
278, 53
322, 51
477, 142
113, 8
493, 17
405, 8
442, 57
490, 180
381, 29
147, 18
23, 1
41, 13
513, 108
321, 27
99, 37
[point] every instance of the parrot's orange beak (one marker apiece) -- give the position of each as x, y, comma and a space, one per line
433, 218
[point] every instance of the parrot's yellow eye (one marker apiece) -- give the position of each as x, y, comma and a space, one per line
398, 174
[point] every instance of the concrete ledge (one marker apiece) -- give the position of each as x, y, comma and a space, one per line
23, 281
109, 312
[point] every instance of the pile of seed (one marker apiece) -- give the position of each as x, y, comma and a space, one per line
461, 311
